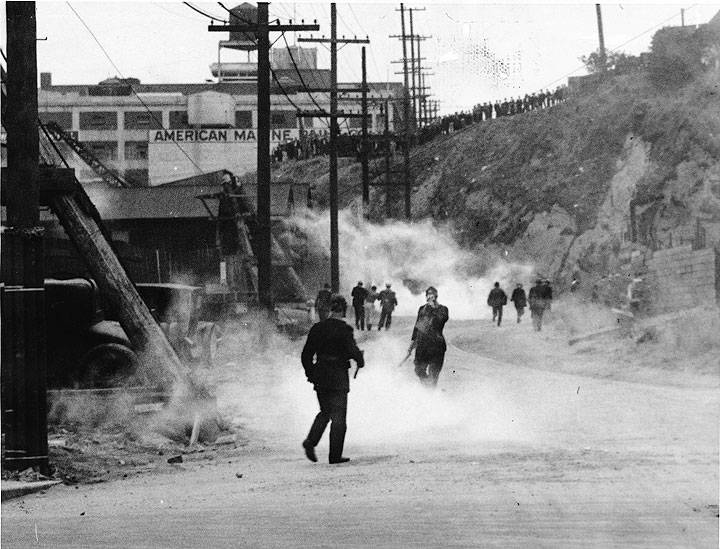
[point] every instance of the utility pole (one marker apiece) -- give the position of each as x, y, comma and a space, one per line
413, 87
602, 60
407, 127
386, 133
334, 232
364, 142
263, 238
24, 383
682, 17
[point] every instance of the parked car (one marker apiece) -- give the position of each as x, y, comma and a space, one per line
84, 350
179, 309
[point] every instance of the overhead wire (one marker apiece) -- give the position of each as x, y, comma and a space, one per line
282, 89
189, 5
132, 89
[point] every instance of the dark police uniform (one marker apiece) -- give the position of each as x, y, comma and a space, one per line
332, 345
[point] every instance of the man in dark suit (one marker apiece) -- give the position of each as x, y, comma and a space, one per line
497, 299
326, 359
358, 300
428, 340
519, 298
388, 302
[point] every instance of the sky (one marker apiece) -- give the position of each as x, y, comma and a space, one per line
167, 42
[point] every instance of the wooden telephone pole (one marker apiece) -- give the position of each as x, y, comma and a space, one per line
263, 239
334, 232
24, 406
601, 36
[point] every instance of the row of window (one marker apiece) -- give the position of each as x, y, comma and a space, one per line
152, 120
178, 120
108, 150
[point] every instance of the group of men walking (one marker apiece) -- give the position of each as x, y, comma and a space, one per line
365, 305
330, 346
539, 298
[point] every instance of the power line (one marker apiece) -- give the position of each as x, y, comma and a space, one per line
621, 45
189, 5
302, 80
277, 81
152, 115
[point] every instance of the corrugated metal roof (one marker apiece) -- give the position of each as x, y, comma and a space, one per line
178, 201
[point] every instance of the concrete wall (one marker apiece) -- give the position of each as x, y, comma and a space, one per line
682, 277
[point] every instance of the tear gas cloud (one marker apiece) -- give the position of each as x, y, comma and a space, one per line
267, 396
411, 256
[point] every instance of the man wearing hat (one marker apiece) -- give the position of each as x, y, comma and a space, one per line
326, 359
388, 302
358, 301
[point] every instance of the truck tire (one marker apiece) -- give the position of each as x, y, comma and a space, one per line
109, 365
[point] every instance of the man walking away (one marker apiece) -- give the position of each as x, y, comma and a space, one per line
428, 340
497, 299
358, 300
537, 304
370, 310
388, 302
520, 300
326, 359
322, 302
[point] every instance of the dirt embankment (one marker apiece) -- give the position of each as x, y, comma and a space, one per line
555, 185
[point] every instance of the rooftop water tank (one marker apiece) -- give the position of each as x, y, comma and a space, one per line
242, 15
211, 109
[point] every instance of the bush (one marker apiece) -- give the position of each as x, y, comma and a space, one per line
676, 55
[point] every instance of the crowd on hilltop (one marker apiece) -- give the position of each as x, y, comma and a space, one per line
312, 145
491, 110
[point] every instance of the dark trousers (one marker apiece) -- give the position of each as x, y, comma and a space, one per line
359, 317
497, 313
333, 408
385, 319
520, 312
537, 314
428, 369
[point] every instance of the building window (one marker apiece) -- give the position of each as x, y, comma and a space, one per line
62, 119
308, 122
283, 119
143, 120
137, 177
136, 150
243, 119
102, 150
98, 121
179, 120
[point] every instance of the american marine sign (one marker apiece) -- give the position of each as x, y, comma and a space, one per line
179, 154
220, 135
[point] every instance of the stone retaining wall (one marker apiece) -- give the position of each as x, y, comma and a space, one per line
682, 278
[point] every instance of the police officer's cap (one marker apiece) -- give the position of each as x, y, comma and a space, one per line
338, 304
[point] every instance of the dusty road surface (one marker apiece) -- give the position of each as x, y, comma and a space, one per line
513, 453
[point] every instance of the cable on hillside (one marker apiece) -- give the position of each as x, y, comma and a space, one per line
152, 115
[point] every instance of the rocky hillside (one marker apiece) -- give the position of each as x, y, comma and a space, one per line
554, 186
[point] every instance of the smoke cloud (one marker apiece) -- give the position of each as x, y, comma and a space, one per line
412, 256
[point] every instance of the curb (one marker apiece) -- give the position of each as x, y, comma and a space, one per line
13, 488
